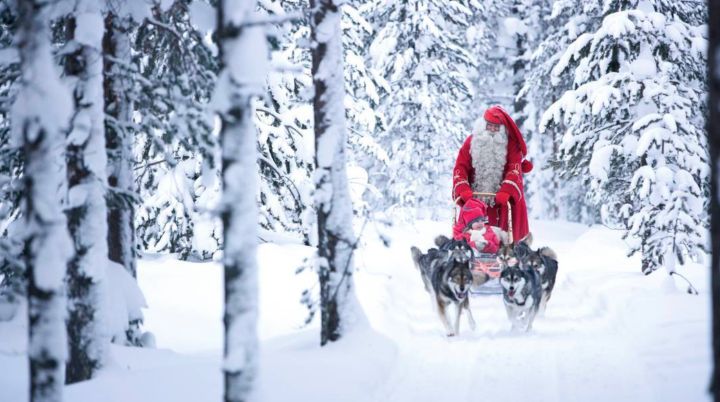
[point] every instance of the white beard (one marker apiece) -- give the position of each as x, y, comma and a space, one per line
488, 151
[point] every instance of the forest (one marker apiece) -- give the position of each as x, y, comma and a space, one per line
198, 195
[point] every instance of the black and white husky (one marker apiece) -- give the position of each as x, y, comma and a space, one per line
545, 262
447, 277
521, 284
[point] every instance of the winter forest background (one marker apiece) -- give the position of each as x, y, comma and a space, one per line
135, 129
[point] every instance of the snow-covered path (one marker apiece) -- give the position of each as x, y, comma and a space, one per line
591, 345
609, 334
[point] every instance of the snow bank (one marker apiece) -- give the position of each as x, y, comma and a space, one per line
610, 333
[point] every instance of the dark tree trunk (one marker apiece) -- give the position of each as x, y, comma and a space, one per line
118, 109
714, 141
334, 209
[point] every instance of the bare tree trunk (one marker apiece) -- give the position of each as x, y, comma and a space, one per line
713, 125
47, 246
336, 239
119, 138
242, 78
87, 212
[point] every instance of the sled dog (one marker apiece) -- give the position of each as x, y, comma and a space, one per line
510, 254
545, 262
446, 275
521, 286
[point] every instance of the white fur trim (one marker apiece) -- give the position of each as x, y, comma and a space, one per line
501, 234
478, 237
489, 155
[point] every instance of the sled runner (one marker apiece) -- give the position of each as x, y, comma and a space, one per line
486, 265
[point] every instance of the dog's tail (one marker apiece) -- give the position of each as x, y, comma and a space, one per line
416, 255
548, 252
441, 240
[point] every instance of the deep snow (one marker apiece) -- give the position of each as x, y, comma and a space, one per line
610, 333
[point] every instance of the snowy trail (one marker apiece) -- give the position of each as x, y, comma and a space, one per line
609, 334
581, 350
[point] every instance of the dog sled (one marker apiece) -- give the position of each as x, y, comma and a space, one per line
485, 267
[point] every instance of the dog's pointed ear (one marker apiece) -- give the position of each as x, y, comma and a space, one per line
416, 254
441, 240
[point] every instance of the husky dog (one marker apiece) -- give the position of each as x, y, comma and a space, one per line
522, 290
510, 254
447, 277
545, 262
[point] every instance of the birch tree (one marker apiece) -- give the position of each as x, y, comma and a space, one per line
39, 116
336, 239
87, 178
243, 57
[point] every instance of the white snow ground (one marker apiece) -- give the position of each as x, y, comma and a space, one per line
610, 334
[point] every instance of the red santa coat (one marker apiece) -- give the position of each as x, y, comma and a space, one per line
512, 183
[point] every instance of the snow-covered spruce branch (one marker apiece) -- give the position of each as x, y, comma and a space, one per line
234, 29
296, 192
691, 288
279, 118
179, 44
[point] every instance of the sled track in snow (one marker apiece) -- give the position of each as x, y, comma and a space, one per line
575, 352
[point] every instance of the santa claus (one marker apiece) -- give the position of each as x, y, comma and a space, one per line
492, 160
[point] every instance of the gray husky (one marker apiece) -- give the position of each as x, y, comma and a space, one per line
545, 262
447, 277
522, 290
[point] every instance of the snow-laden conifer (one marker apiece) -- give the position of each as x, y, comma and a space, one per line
552, 191
336, 239
177, 67
39, 116
422, 64
87, 179
119, 90
244, 63
634, 121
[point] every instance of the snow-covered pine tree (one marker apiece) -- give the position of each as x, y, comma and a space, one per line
119, 134
87, 178
492, 38
244, 61
634, 125
284, 122
11, 159
336, 240
39, 116
362, 99
177, 72
120, 90
420, 58
552, 192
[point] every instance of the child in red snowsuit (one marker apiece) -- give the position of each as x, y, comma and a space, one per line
472, 226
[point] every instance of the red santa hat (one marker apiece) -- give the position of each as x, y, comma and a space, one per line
498, 115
